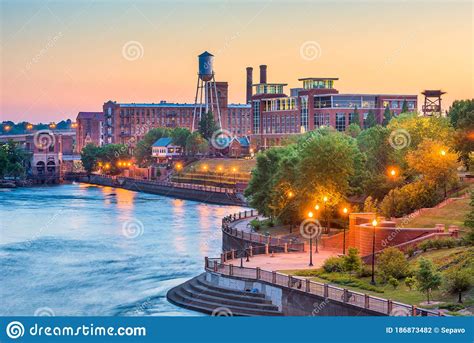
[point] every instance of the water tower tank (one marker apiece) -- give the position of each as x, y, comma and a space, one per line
205, 66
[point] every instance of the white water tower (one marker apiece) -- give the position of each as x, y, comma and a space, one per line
206, 87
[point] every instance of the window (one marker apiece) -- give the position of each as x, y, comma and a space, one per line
304, 113
322, 102
340, 121
345, 101
256, 116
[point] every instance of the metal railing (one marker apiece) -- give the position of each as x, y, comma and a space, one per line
274, 244
327, 291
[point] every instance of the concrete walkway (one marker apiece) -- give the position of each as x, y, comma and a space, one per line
288, 261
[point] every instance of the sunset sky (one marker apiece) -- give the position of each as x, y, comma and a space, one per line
62, 57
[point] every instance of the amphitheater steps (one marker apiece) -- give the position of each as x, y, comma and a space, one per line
199, 295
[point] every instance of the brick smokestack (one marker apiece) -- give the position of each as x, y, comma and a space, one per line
249, 84
263, 73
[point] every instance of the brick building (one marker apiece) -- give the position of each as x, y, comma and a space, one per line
89, 129
275, 115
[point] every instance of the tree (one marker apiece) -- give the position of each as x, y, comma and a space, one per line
427, 278
405, 107
370, 121
371, 205
469, 222
387, 116
207, 125
3, 160
13, 159
458, 281
196, 144
111, 154
410, 282
89, 157
143, 149
353, 130
392, 263
461, 115
180, 136
352, 261
355, 117
435, 162
393, 282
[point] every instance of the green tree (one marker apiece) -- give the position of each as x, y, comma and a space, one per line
180, 136
387, 116
370, 121
405, 107
469, 222
410, 282
461, 115
392, 263
435, 162
353, 130
352, 261
143, 149
196, 144
3, 160
458, 281
371, 205
89, 157
427, 278
207, 125
355, 117
393, 282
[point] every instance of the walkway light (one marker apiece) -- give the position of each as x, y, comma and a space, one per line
345, 211
316, 207
374, 224
310, 214
290, 194
443, 153
29, 126
7, 127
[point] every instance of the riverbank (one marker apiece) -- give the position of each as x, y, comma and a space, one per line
207, 194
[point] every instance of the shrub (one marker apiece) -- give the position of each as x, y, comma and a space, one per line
438, 243
393, 282
364, 271
352, 261
411, 251
392, 263
309, 272
347, 280
334, 264
452, 307
256, 224
458, 281
410, 282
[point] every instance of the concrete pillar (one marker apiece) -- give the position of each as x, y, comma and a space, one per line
389, 306
232, 254
286, 247
231, 269
367, 301
274, 277
257, 273
251, 250
266, 249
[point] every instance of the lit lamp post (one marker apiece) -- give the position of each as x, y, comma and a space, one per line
345, 211
392, 174
316, 207
204, 168
374, 224
219, 170
326, 213
310, 215
234, 170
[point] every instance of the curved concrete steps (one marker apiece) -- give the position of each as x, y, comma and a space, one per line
199, 295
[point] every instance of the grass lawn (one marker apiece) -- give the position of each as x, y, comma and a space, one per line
451, 214
443, 258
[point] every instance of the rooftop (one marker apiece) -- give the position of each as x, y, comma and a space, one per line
163, 141
318, 78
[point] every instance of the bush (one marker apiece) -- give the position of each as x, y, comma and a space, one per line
256, 224
392, 263
438, 244
393, 282
334, 264
347, 280
364, 271
309, 272
410, 282
452, 307
352, 261
411, 251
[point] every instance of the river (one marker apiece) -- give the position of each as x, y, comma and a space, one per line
78, 249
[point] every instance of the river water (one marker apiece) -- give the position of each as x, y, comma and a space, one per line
78, 249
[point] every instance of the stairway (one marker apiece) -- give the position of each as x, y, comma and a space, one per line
199, 295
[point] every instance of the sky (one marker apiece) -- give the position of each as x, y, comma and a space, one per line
62, 57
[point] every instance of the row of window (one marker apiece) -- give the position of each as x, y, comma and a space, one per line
280, 104
277, 124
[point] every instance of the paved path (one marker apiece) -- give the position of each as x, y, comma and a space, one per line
288, 261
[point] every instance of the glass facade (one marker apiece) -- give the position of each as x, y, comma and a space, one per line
256, 116
268, 88
321, 119
340, 121
280, 104
304, 113
311, 84
322, 102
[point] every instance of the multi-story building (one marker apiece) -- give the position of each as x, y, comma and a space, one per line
127, 123
276, 115
89, 129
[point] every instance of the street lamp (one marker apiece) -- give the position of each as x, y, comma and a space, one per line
443, 153
374, 224
392, 174
234, 170
310, 215
326, 213
345, 211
